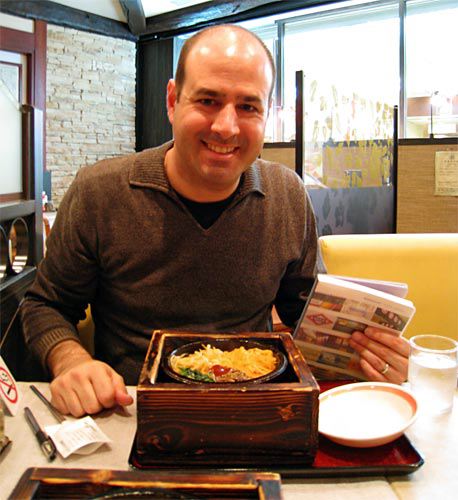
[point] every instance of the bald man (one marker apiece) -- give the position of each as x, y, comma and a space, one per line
197, 235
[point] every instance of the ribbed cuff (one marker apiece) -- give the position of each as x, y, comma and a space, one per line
49, 340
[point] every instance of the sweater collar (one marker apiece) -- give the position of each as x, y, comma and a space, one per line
148, 171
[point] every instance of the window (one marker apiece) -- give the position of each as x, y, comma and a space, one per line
352, 48
13, 67
431, 68
349, 57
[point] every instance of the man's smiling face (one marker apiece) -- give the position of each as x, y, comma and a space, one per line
220, 116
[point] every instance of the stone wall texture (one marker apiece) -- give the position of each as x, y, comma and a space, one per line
90, 102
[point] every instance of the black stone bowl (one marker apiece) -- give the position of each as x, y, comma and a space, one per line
225, 344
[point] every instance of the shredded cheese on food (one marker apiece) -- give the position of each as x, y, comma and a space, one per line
253, 362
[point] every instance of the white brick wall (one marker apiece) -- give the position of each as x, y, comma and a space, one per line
90, 102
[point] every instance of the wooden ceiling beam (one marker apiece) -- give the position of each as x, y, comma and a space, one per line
133, 10
161, 26
61, 15
210, 13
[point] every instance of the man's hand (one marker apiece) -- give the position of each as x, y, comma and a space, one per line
384, 356
81, 384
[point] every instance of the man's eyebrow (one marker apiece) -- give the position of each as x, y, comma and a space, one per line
203, 91
208, 92
252, 98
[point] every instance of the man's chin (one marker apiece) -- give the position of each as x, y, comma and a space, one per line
221, 180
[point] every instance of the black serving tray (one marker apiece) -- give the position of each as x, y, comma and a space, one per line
399, 457
332, 460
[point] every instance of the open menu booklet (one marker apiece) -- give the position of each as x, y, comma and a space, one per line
336, 307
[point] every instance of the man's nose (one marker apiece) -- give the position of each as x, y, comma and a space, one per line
225, 123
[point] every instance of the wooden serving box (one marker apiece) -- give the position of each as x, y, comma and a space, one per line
231, 425
37, 483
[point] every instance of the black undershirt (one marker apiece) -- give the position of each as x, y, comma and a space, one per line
206, 213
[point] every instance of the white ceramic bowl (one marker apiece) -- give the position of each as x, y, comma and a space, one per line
366, 414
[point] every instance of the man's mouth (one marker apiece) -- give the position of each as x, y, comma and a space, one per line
220, 149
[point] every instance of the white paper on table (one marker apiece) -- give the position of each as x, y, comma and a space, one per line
82, 436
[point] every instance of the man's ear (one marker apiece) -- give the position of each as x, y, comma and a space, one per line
171, 99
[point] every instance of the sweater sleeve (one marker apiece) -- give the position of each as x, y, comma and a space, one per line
300, 274
66, 278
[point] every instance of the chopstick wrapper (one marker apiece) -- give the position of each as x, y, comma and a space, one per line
82, 436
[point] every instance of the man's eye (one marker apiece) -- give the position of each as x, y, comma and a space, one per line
248, 107
207, 102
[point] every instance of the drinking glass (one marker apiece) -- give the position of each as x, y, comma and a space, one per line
433, 372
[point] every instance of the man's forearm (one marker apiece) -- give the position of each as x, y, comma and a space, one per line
66, 355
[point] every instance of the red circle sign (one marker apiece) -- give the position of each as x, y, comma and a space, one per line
7, 386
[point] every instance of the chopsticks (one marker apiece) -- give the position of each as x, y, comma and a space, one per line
55, 412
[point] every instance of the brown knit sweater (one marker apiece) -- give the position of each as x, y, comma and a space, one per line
124, 242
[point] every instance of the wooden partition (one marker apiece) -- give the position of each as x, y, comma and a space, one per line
419, 210
344, 210
281, 152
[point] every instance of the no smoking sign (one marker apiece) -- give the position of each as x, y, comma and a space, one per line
8, 386
9, 390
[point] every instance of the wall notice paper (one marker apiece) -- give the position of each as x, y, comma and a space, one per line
82, 436
446, 173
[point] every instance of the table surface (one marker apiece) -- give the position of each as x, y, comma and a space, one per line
436, 438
